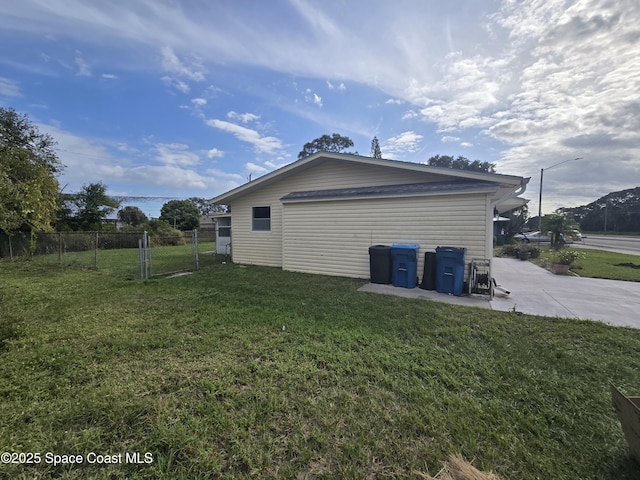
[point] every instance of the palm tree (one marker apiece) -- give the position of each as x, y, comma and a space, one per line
559, 225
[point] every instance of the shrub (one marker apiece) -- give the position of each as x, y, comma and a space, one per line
509, 251
567, 257
514, 250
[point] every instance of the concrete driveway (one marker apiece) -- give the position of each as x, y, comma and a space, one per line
537, 291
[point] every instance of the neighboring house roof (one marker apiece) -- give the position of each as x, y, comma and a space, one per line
509, 181
206, 220
392, 190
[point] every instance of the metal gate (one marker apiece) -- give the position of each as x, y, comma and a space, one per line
162, 256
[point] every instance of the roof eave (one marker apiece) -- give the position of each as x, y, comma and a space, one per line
223, 199
389, 195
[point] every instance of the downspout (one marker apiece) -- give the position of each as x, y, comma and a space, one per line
523, 186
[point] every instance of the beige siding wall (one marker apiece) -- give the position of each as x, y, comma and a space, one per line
333, 237
265, 248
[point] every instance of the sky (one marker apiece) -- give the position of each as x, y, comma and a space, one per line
190, 98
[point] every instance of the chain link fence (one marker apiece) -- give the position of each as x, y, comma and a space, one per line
130, 254
113, 252
167, 255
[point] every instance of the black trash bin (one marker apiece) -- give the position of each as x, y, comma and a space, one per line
429, 275
380, 264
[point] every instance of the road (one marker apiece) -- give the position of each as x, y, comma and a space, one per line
614, 243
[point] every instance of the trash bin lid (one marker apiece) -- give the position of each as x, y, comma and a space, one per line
409, 246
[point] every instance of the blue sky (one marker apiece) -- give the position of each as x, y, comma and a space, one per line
189, 98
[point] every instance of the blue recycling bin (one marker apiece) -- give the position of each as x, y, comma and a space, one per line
404, 259
450, 270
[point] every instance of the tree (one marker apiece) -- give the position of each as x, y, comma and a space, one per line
461, 163
559, 225
335, 143
517, 220
132, 216
375, 148
181, 214
28, 165
93, 205
206, 207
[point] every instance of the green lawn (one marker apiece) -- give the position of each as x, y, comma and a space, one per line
251, 372
598, 264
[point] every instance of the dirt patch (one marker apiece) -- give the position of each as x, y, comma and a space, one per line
457, 468
627, 264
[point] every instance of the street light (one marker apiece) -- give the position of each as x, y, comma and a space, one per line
540, 193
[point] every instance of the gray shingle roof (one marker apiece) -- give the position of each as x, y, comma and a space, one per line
392, 190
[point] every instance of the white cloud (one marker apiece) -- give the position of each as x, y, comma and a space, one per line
168, 176
243, 117
262, 144
220, 174
109, 76
199, 102
215, 153
176, 154
253, 168
9, 88
83, 68
172, 64
394, 101
468, 88
273, 165
449, 139
406, 142
91, 161
466, 144
314, 98
342, 87
180, 85
409, 114
177, 84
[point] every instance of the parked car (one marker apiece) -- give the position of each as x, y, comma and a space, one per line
535, 237
532, 237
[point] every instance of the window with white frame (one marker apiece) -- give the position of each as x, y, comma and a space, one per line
261, 219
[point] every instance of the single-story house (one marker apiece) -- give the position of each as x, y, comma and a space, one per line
320, 214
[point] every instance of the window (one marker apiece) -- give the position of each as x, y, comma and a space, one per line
261, 219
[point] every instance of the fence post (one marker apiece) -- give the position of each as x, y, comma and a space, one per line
10, 248
59, 247
95, 253
140, 257
195, 247
147, 254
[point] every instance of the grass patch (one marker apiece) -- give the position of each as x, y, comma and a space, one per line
245, 372
598, 264
125, 262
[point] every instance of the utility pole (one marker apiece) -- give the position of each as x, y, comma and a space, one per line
540, 193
